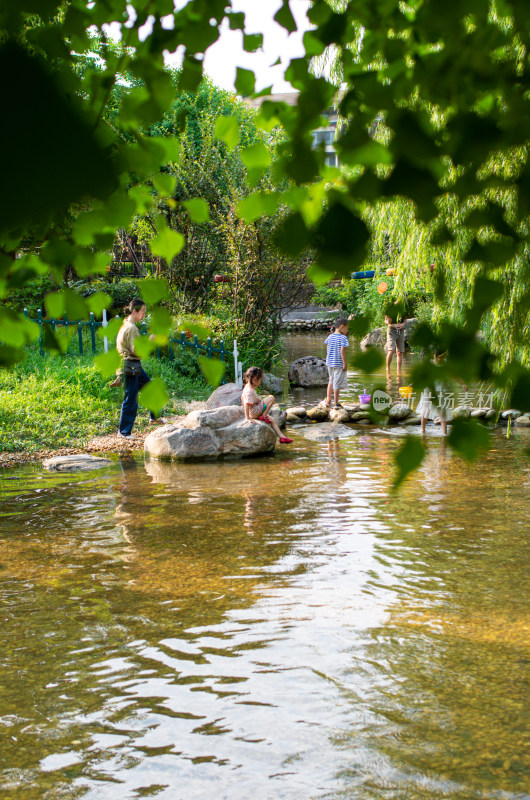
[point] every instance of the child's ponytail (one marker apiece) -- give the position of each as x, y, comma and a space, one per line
252, 372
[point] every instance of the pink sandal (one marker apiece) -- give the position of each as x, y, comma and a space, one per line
263, 418
285, 440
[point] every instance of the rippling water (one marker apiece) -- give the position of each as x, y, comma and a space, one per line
277, 628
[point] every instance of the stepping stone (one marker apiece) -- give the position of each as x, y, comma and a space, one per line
76, 463
328, 432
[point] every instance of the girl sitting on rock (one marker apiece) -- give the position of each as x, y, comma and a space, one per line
255, 408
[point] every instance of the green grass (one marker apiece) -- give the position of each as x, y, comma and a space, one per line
53, 401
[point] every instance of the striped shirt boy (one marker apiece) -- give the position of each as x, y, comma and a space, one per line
334, 342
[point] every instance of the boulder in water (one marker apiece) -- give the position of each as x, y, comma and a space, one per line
308, 371
211, 434
271, 383
229, 394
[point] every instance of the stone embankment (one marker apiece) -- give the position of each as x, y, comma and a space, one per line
311, 318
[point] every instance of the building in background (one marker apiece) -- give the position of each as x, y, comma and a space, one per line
322, 137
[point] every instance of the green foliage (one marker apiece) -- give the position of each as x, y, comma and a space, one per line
408, 458
435, 144
55, 401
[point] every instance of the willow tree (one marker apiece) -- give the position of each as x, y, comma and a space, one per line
448, 81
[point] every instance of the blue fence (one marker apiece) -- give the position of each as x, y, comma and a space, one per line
87, 330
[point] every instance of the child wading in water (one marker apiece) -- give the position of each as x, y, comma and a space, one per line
426, 409
255, 408
336, 360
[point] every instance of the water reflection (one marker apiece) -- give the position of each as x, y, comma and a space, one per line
282, 627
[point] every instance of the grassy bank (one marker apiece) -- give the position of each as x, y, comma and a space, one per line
51, 401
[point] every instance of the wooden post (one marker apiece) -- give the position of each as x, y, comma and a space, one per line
80, 337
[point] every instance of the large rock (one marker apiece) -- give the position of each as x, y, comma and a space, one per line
211, 434
278, 415
271, 383
377, 337
228, 394
399, 411
523, 420
75, 463
308, 371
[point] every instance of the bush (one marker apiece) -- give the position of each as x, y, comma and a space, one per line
121, 291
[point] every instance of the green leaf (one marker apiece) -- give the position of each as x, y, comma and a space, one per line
257, 205
154, 395
292, 236
198, 209
111, 330
167, 244
227, 129
164, 184
284, 17
66, 162
257, 157
359, 326
15, 330
245, 82
340, 240
88, 263
144, 346
521, 392
369, 361
213, 370
9, 356
160, 322
108, 363
408, 458
485, 293
252, 42
469, 438
319, 274
98, 302
152, 290
66, 302
56, 341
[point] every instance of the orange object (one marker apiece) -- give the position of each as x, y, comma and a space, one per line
390, 271
382, 288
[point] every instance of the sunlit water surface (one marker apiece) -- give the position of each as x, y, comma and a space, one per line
282, 627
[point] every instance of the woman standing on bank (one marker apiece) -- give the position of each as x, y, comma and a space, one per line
135, 376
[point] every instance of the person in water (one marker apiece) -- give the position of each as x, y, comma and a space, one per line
132, 371
255, 408
336, 344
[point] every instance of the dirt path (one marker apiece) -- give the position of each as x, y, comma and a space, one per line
112, 443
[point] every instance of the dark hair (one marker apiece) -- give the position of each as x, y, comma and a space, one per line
134, 305
340, 321
252, 372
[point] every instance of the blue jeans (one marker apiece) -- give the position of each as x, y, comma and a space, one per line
133, 384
